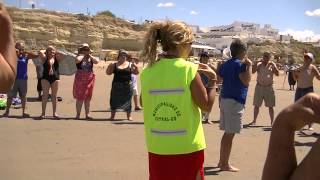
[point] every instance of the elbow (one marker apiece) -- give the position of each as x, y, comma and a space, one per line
108, 72
7, 82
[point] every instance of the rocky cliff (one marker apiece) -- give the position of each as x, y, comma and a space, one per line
40, 28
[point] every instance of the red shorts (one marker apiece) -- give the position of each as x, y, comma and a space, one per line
176, 167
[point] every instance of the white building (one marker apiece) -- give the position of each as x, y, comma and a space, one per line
222, 36
195, 28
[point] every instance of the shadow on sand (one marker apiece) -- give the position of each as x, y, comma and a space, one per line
297, 143
129, 123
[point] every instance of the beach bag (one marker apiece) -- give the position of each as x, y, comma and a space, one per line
3, 101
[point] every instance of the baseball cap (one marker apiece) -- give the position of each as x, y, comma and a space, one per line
310, 55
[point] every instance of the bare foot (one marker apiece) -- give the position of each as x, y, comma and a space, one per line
208, 122
6, 114
56, 116
138, 109
252, 123
89, 117
228, 168
25, 115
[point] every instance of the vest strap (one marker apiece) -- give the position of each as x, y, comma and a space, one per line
166, 91
176, 132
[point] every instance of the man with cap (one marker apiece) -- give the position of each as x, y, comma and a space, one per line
304, 77
264, 87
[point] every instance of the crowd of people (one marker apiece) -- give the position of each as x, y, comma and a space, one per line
173, 107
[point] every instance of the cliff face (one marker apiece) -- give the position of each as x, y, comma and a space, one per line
40, 28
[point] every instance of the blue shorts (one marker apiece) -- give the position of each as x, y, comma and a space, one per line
300, 92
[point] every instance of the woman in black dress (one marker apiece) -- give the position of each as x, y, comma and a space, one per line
122, 89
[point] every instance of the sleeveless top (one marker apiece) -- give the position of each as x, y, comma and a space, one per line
46, 69
122, 75
171, 118
86, 66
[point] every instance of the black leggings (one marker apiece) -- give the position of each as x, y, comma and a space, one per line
39, 86
51, 79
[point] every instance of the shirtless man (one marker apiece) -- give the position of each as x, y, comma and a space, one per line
8, 62
304, 77
264, 87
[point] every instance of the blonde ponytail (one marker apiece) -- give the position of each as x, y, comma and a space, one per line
168, 35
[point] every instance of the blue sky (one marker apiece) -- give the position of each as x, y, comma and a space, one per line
299, 17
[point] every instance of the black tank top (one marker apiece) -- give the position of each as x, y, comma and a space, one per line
46, 69
122, 75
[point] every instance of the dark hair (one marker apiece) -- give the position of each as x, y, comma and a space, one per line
237, 47
204, 54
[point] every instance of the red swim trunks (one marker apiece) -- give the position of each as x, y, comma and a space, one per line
176, 167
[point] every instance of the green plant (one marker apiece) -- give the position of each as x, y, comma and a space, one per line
106, 13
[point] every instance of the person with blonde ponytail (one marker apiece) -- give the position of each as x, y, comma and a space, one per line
173, 96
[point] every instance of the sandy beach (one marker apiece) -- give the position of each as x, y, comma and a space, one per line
68, 149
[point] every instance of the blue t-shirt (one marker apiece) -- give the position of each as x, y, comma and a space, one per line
232, 87
22, 68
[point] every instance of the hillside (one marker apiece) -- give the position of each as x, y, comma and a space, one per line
39, 28
294, 50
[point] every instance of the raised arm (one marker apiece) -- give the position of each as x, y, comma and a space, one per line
42, 55
94, 59
316, 72
255, 67
204, 98
275, 69
8, 57
281, 162
245, 77
296, 73
110, 68
31, 55
135, 69
78, 59
60, 55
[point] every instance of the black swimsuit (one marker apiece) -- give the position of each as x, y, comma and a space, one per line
51, 77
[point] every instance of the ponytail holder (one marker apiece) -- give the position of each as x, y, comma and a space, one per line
158, 35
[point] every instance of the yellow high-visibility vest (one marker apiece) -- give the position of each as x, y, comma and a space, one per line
172, 120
